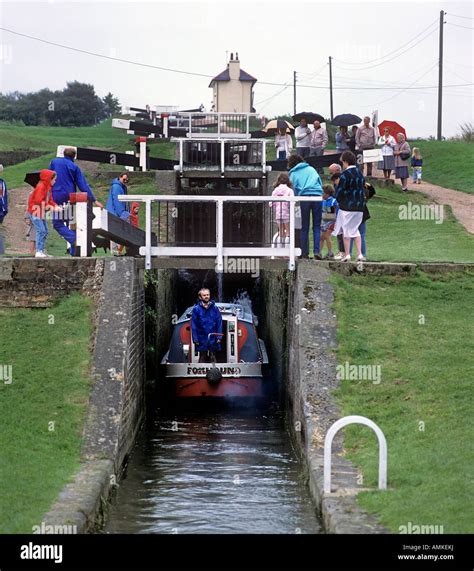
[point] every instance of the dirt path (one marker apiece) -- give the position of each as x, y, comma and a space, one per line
14, 225
461, 203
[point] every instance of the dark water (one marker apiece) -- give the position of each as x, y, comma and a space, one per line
219, 472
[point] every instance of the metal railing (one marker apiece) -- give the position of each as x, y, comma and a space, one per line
331, 433
217, 125
223, 154
254, 236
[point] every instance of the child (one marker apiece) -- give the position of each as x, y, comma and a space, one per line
134, 221
39, 201
134, 209
281, 210
328, 219
30, 233
416, 165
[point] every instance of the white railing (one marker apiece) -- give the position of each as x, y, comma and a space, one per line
218, 124
219, 251
331, 433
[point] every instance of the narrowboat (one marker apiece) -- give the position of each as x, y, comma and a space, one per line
240, 368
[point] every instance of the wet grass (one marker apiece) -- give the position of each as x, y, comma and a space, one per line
448, 163
390, 238
42, 410
419, 330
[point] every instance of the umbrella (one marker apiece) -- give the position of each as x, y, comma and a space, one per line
259, 134
32, 178
276, 124
309, 116
394, 127
346, 119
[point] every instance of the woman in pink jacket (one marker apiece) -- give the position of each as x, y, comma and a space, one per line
281, 210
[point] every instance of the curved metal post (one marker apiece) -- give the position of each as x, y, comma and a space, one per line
331, 433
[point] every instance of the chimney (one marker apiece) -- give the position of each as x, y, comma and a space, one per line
234, 66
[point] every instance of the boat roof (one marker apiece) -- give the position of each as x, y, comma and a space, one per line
243, 313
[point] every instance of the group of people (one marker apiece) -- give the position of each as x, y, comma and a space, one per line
341, 212
309, 142
51, 198
396, 152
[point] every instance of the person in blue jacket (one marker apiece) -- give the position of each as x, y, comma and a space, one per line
307, 182
114, 206
205, 319
69, 178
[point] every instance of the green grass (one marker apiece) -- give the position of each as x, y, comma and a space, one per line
50, 365
427, 372
448, 163
392, 239
46, 139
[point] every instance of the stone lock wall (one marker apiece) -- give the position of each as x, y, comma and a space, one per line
39, 282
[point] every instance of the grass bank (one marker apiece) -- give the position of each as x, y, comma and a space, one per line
418, 331
391, 238
42, 410
448, 163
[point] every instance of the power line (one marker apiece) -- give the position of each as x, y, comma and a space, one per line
287, 84
456, 74
458, 26
393, 51
456, 16
393, 58
410, 87
193, 73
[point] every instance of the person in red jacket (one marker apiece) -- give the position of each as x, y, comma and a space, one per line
39, 201
134, 210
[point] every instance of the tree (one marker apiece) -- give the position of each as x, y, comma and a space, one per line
112, 104
76, 105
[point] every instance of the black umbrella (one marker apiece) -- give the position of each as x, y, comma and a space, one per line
309, 116
346, 120
33, 178
259, 134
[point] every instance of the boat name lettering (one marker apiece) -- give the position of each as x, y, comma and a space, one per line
223, 370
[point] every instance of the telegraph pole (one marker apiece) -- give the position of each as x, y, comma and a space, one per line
440, 78
294, 93
330, 87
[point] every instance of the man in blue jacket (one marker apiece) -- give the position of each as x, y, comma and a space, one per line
114, 206
69, 178
206, 318
307, 182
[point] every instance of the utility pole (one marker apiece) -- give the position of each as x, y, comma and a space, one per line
294, 93
330, 87
440, 78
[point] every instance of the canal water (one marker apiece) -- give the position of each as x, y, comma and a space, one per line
220, 471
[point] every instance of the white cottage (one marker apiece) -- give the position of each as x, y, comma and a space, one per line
233, 89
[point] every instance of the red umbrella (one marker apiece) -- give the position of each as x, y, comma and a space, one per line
394, 127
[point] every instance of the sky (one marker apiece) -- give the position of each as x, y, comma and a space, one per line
372, 45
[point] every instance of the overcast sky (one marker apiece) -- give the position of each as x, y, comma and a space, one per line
272, 39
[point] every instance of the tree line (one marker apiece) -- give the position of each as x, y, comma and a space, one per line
76, 105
